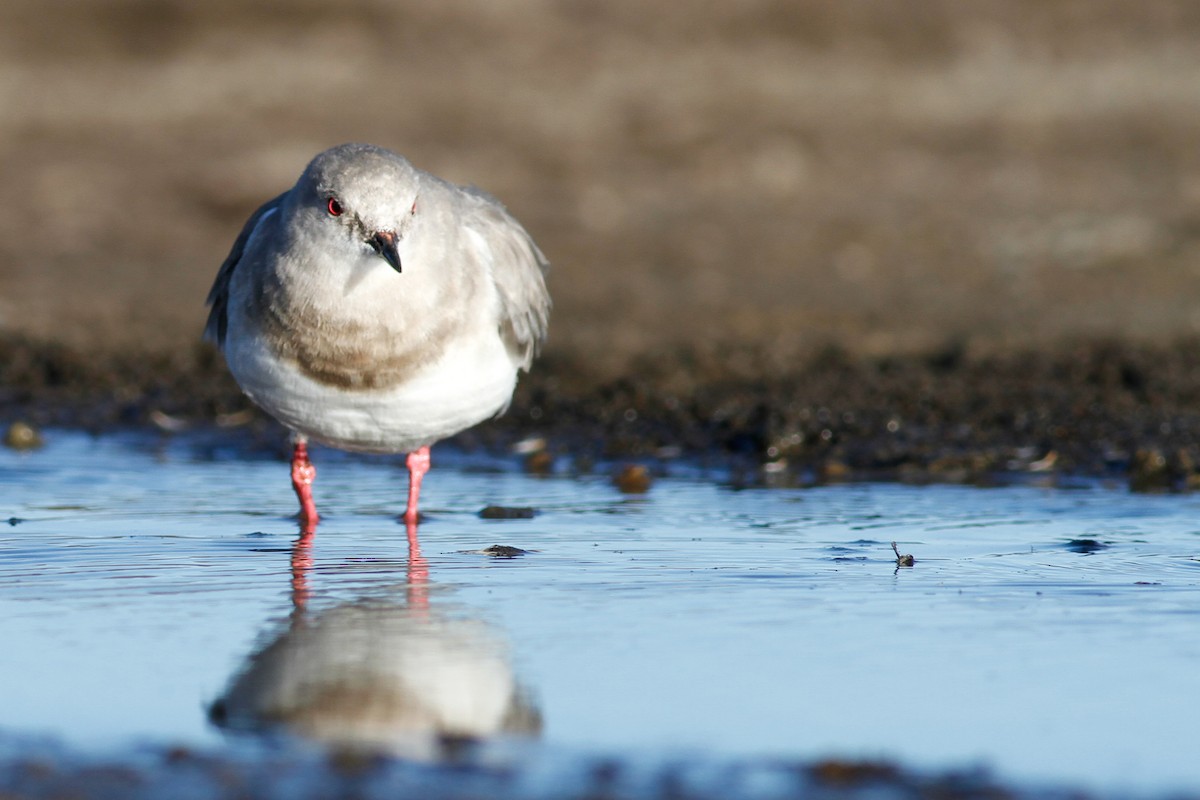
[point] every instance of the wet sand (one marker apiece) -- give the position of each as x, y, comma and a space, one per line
1096, 409
307, 775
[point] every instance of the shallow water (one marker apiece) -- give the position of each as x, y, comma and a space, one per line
1051, 635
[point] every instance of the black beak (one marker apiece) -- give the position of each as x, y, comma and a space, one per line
384, 243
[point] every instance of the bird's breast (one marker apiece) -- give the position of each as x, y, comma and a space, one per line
349, 338
353, 353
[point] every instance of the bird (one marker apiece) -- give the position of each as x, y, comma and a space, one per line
377, 308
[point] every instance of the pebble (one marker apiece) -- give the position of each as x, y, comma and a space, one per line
633, 479
22, 436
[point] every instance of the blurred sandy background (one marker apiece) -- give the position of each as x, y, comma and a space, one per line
887, 175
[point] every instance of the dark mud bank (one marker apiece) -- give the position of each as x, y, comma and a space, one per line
53, 772
1096, 408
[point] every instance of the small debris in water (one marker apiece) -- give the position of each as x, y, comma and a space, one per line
235, 419
538, 460
633, 479
1149, 471
178, 754
507, 512
539, 463
168, 423
775, 467
1045, 463
15, 521
532, 444
831, 470
22, 436
836, 772
350, 762
503, 551
905, 560
1086, 546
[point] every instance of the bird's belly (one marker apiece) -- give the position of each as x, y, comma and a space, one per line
472, 380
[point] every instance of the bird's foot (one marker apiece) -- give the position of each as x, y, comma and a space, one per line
303, 475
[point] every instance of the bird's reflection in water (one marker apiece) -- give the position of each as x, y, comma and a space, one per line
380, 675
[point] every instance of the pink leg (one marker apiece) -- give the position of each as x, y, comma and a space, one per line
303, 475
418, 465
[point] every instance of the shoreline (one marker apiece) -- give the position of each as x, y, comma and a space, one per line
45, 769
1101, 408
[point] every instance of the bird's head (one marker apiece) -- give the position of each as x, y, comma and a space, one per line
361, 197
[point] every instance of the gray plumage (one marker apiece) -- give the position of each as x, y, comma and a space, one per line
374, 306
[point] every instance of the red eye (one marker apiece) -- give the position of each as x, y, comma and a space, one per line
334, 207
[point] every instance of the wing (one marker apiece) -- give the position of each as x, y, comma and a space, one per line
218, 296
518, 269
